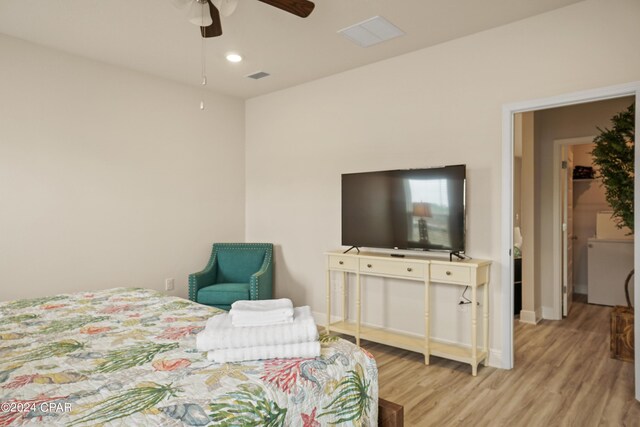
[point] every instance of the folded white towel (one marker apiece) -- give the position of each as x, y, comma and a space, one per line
219, 333
261, 312
261, 305
283, 351
261, 319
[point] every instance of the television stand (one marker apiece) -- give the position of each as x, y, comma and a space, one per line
352, 247
468, 273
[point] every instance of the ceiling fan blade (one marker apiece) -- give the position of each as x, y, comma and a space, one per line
215, 29
301, 8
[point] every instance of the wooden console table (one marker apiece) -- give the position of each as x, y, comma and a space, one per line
472, 273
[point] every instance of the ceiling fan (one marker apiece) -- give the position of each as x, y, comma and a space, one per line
206, 13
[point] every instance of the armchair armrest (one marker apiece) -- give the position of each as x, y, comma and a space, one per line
261, 282
203, 278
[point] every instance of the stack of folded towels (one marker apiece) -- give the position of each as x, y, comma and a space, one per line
255, 330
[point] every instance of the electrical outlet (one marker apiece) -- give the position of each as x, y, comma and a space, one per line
169, 284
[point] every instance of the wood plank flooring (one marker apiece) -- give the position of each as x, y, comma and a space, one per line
563, 376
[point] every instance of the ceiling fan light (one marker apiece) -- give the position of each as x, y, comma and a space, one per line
199, 14
234, 57
228, 7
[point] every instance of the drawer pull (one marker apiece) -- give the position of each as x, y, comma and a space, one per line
369, 265
448, 273
409, 269
340, 262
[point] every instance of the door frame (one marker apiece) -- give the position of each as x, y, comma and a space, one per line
558, 248
508, 111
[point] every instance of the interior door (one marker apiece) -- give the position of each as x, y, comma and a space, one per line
567, 230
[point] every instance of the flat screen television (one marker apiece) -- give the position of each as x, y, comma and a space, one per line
417, 209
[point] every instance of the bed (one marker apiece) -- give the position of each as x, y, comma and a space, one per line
127, 357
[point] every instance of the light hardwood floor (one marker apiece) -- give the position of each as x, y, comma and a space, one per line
563, 376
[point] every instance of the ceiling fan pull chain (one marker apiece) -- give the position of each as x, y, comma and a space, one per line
203, 59
204, 64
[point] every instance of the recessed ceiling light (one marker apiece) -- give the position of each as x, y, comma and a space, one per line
234, 57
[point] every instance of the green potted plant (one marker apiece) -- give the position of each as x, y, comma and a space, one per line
614, 155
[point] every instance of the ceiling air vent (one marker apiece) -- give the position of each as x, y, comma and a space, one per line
371, 31
259, 75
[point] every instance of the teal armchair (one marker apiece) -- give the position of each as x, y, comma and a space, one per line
236, 271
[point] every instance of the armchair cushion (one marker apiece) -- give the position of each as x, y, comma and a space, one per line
223, 293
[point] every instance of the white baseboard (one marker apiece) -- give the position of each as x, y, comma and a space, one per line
321, 318
580, 289
550, 313
495, 356
530, 317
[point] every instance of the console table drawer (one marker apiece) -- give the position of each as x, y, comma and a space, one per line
392, 268
450, 273
337, 262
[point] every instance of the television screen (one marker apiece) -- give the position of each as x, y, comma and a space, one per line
421, 209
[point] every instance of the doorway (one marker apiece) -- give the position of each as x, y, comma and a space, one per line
577, 198
507, 192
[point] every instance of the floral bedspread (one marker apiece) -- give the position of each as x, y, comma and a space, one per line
127, 357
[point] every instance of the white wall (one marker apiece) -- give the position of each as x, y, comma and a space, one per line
531, 308
110, 177
436, 106
550, 125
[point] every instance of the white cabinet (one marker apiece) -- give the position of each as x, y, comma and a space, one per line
609, 263
471, 273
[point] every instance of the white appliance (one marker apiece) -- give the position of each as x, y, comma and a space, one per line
609, 263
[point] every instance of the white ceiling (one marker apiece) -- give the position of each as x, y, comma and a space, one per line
154, 37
